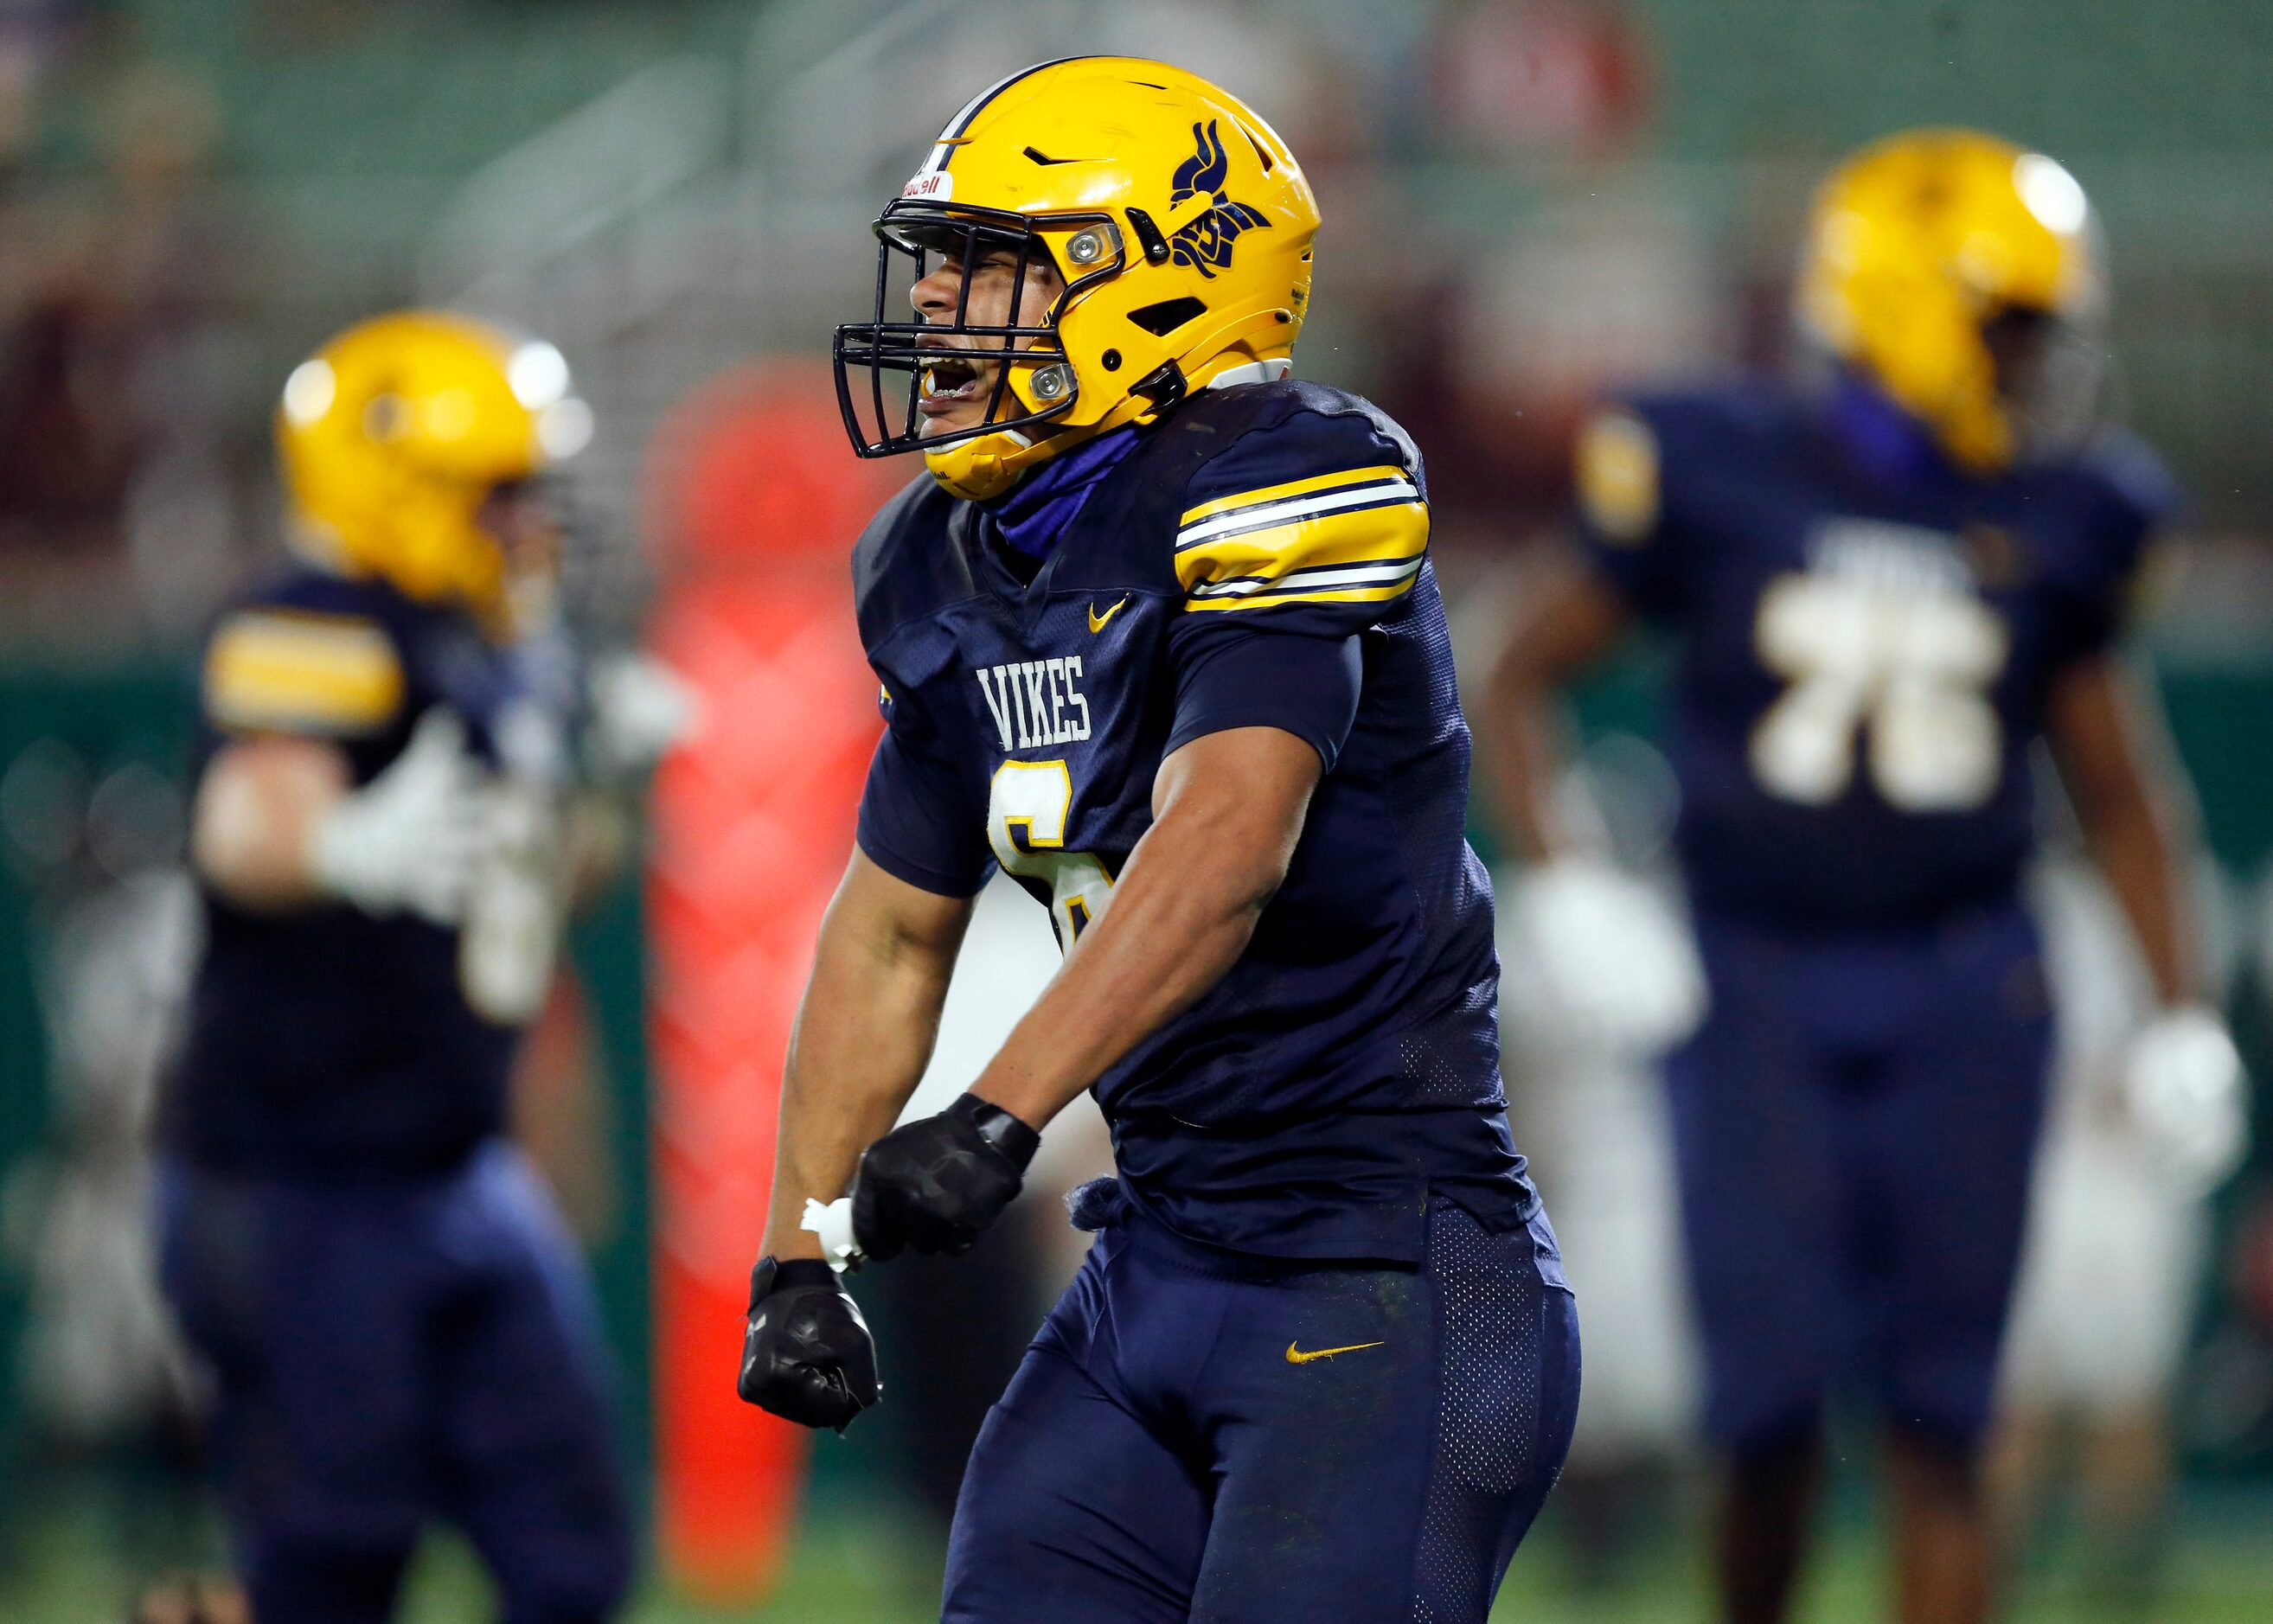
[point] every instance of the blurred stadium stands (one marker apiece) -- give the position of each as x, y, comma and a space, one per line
1525, 200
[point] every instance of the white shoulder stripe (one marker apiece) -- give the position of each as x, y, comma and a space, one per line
1325, 579
1298, 507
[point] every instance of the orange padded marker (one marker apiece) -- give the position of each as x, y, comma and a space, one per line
757, 500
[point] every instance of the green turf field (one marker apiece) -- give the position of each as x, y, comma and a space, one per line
64, 1568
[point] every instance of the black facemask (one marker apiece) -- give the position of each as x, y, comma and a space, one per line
912, 236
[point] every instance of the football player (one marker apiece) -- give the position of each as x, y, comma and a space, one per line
1157, 635
397, 1322
1887, 583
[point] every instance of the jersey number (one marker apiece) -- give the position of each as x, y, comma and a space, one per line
1914, 667
1026, 815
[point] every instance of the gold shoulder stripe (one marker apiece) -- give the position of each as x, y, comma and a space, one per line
293, 671
1369, 555
1292, 488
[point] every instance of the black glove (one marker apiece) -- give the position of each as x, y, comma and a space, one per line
935, 1184
806, 1353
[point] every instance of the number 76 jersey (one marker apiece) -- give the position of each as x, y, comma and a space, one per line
1257, 559
1864, 658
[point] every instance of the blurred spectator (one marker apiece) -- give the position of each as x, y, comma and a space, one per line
117, 513
33, 34
1542, 79
1591, 286
1589, 272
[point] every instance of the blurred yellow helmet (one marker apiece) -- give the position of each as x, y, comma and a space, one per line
394, 434
1919, 241
1181, 224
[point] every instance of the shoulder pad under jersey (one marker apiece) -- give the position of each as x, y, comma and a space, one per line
1637, 452
909, 562
2134, 478
1294, 497
307, 652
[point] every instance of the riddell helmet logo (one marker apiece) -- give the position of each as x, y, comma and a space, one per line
1205, 245
937, 184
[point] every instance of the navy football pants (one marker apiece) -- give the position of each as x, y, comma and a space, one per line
1196, 1436
1855, 1126
387, 1355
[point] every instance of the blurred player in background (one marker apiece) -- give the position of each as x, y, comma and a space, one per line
1887, 582
1160, 638
398, 1323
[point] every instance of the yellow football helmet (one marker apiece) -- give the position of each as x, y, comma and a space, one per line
1179, 221
1916, 245
394, 435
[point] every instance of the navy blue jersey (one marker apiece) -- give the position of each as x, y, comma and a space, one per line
1864, 655
1257, 559
324, 1042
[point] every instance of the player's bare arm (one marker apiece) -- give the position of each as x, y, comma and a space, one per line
258, 807
887, 950
863, 1035
1562, 620
2183, 1084
1228, 810
279, 826
1608, 961
2116, 760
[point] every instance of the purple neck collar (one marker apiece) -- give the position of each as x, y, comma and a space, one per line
1881, 439
1036, 511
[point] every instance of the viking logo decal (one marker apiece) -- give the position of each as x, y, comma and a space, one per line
1205, 245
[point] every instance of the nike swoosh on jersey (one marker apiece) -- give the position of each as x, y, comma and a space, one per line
1097, 621
1295, 1356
